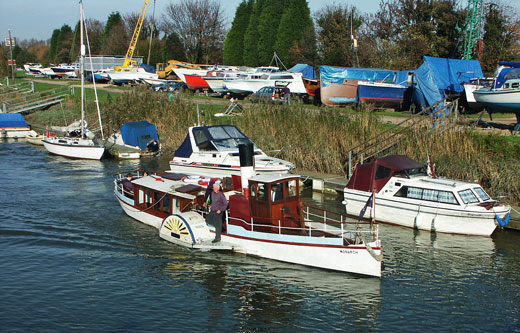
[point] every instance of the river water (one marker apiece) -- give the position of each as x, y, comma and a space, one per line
71, 260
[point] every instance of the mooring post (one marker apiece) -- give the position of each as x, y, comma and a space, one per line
32, 86
72, 90
4, 108
350, 164
7, 82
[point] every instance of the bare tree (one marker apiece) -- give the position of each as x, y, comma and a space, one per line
200, 27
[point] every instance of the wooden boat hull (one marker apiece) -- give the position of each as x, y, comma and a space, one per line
337, 95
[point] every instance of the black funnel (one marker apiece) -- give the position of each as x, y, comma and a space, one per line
246, 152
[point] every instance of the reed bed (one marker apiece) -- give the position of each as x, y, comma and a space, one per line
319, 140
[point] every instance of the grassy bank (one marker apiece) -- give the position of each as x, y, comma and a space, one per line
316, 140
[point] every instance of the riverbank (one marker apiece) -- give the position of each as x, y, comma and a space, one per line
315, 140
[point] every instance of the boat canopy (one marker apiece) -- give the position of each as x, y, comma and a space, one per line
139, 133
210, 138
330, 74
375, 175
514, 64
307, 71
12, 120
438, 76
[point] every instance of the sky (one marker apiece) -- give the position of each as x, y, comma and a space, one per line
38, 18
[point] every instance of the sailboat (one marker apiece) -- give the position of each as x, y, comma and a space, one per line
81, 147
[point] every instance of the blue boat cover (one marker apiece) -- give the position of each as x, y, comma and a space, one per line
306, 70
330, 74
515, 64
11, 120
139, 133
438, 76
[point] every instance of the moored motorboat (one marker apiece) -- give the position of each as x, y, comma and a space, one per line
266, 218
213, 151
134, 140
406, 195
13, 126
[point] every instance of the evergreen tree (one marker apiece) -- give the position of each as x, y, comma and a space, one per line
234, 45
64, 44
114, 25
251, 36
53, 47
295, 23
494, 39
172, 48
267, 29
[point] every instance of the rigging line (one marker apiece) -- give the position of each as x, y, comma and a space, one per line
94, 81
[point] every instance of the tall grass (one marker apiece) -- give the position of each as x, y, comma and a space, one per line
319, 140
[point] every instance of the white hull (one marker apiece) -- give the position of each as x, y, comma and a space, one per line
211, 171
127, 76
352, 259
133, 212
84, 149
217, 85
472, 220
180, 72
499, 100
296, 85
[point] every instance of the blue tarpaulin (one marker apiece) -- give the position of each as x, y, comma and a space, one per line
330, 74
11, 120
306, 70
139, 133
515, 64
438, 76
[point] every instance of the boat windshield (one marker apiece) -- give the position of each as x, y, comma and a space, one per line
416, 172
228, 138
482, 194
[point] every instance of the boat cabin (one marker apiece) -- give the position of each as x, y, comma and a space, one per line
161, 195
373, 176
274, 205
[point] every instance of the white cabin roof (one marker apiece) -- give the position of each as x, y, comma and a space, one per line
270, 178
158, 183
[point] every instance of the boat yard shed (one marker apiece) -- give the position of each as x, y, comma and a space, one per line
438, 77
139, 133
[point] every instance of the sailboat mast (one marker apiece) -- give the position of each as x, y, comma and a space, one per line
81, 67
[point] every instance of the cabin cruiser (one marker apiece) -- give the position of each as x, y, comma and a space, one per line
13, 126
266, 218
213, 151
130, 75
406, 195
254, 82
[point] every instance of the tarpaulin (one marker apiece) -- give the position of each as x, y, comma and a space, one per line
139, 133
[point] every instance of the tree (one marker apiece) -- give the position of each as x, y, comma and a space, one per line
334, 34
499, 38
115, 36
53, 45
234, 44
199, 24
3, 62
95, 31
63, 45
172, 48
267, 29
251, 35
295, 37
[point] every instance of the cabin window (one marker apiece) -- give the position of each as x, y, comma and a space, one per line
148, 197
430, 195
482, 194
447, 197
140, 196
261, 192
157, 200
277, 191
199, 136
468, 196
253, 190
292, 188
506, 85
382, 172
177, 204
414, 193
514, 85
166, 204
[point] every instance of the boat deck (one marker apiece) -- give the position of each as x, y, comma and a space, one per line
220, 246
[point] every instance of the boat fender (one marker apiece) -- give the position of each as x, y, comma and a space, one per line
433, 229
503, 222
378, 257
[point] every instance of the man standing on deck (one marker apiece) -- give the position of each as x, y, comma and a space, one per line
218, 206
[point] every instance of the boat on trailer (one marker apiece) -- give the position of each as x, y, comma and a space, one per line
406, 195
260, 220
213, 151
